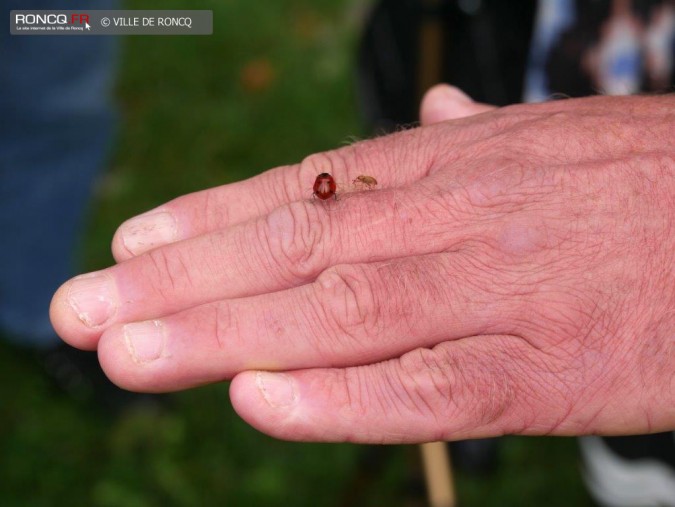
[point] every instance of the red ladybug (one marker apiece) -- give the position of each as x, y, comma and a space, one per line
324, 187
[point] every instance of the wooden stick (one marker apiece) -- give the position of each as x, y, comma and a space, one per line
430, 50
435, 455
438, 474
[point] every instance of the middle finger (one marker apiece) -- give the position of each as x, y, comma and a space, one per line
289, 247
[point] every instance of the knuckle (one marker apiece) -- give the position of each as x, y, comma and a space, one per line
347, 303
379, 388
294, 236
332, 162
469, 389
380, 304
494, 390
429, 378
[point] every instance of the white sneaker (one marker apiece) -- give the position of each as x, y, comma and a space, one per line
636, 471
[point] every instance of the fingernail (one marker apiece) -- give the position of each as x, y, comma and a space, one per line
148, 231
278, 389
145, 340
92, 298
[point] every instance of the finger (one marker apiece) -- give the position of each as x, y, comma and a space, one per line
214, 209
352, 314
394, 160
475, 387
444, 102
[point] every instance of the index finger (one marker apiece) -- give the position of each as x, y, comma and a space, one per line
394, 160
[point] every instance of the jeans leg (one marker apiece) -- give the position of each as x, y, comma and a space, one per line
56, 122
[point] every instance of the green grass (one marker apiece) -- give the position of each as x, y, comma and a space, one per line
188, 122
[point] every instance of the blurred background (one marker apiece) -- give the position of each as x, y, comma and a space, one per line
275, 82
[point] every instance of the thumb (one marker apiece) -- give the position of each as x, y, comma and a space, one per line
444, 102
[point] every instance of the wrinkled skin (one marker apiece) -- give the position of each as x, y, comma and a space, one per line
512, 273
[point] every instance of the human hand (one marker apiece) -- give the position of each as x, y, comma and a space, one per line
513, 273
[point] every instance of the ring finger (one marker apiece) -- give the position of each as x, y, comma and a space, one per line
352, 314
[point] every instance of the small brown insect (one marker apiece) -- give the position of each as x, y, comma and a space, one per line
365, 181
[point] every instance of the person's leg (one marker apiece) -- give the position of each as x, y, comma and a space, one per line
55, 131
